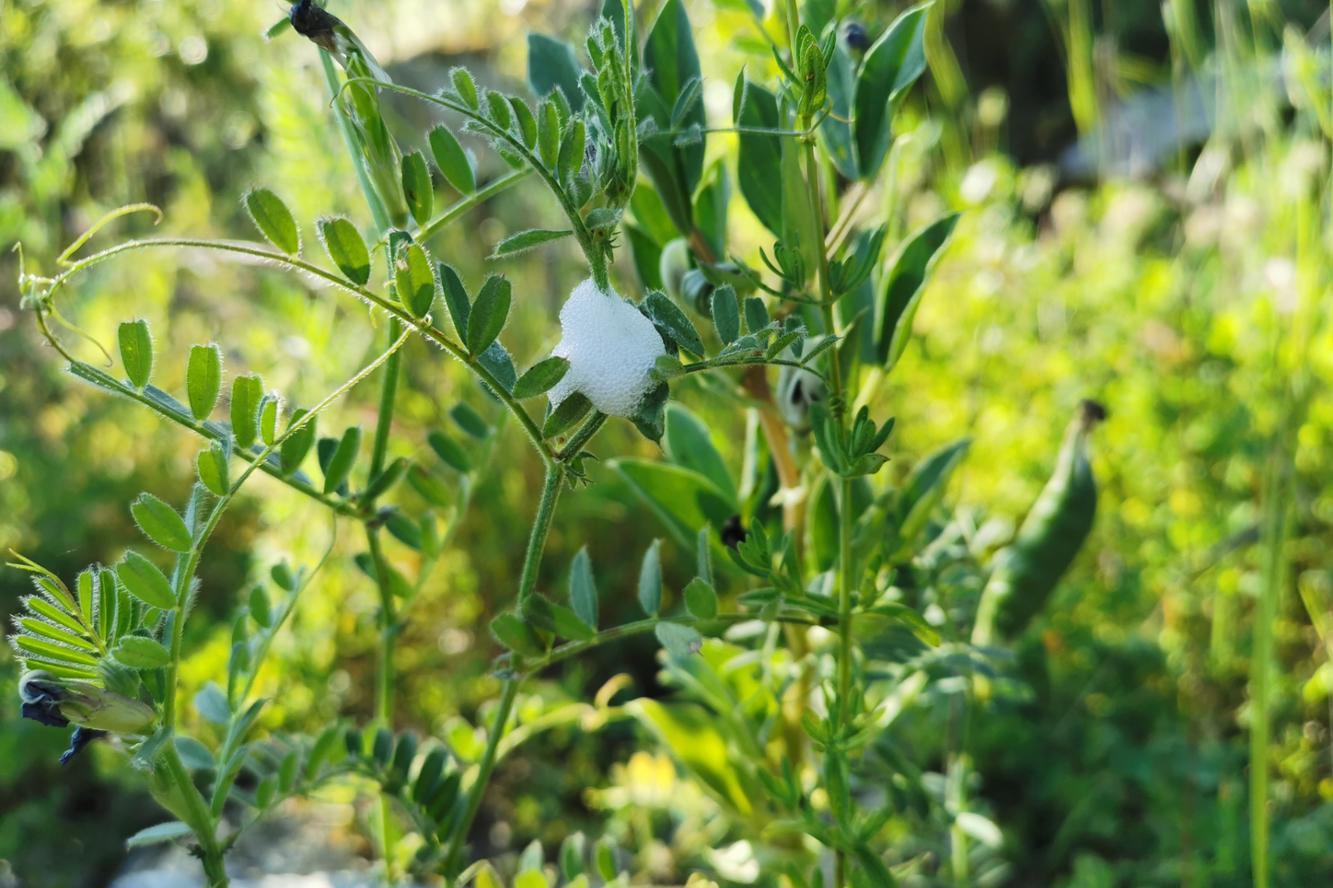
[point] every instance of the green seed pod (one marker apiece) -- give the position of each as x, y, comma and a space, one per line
797, 391
1051, 535
696, 290
673, 265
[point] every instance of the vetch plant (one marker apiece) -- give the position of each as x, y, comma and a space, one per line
803, 564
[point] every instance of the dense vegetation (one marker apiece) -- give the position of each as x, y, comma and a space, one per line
1022, 578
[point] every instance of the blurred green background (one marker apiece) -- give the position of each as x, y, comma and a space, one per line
1193, 299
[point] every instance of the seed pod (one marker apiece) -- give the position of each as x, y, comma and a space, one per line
672, 266
696, 290
1059, 522
797, 391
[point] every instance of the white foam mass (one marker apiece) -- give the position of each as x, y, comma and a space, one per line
611, 349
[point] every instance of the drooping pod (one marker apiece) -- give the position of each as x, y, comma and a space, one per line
1027, 571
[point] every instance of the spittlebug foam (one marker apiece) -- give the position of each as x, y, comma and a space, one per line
611, 349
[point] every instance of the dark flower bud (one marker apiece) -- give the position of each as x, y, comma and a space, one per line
313, 23
855, 36
77, 741
797, 391
733, 532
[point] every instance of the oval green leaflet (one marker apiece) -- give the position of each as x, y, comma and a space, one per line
650, 580
488, 315
452, 160
701, 599
465, 86
414, 279
268, 419
568, 412
246, 393
455, 298
417, 187
346, 248
515, 634
136, 352
161, 523
498, 109
679, 640
142, 579
292, 452
526, 240
212, 466
583, 588
527, 123
726, 314
273, 220
139, 652
450, 452
203, 379
344, 457
260, 609
540, 377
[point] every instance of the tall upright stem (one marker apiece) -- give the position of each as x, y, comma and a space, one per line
527, 584
199, 818
379, 450
845, 572
388, 618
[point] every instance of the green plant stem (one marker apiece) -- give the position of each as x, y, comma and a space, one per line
845, 594
420, 327
377, 211
541, 526
387, 617
379, 449
826, 304
1276, 531
199, 818
453, 211
383, 682
642, 627
261, 653
191, 563
581, 437
208, 430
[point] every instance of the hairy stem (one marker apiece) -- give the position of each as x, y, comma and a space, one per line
541, 526
642, 627
388, 620
200, 818
582, 436
845, 578
421, 327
